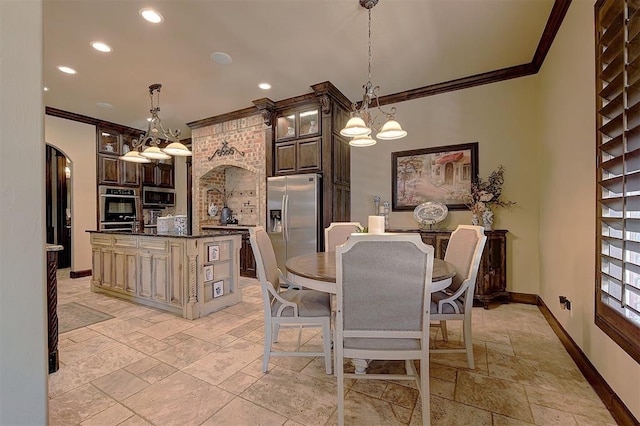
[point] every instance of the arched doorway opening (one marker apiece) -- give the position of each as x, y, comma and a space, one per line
58, 203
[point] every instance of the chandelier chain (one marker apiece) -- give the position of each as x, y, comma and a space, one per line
369, 44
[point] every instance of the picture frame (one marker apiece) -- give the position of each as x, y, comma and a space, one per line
218, 288
440, 174
208, 273
213, 253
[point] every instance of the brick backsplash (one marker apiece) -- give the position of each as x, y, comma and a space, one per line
243, 177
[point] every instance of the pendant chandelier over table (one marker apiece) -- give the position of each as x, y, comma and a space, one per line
362, 122
156, 134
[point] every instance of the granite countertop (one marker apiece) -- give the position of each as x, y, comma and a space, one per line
211, 233
245, 227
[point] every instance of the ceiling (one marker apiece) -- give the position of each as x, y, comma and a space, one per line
290, 44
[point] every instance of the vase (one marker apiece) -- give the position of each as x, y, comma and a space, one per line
475, 221
225, 215
487, 220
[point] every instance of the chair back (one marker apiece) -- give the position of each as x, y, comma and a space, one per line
464, 252
266, 264
384, 283
338, 232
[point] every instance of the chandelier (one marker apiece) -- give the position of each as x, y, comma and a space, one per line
155, 135
362, 121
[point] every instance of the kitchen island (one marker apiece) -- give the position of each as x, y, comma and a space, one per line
187, 275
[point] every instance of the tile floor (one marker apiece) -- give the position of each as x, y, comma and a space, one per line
145, 367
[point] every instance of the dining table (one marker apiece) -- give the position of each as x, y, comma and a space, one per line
317, 271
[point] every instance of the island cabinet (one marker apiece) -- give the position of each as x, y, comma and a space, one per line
247, 259
190, 276
491, 281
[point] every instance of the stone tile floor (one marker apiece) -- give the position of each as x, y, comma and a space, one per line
146, 367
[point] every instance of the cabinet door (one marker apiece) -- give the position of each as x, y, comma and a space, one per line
164, 175
154, 274
109, 169
247, 260
125, 274
148, 174
285, 158
130, 173
309, 156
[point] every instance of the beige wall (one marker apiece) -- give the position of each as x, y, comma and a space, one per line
567, 198
500, 117
78, 142
23, 307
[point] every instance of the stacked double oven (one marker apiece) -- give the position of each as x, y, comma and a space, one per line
119, 208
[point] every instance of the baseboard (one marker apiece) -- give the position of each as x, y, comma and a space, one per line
614, 404
80, 274
526, 298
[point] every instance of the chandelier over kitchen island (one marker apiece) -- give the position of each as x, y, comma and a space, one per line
151, 140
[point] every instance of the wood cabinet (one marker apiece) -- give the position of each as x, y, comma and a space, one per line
111, 170
304, 137
167, 272
160, 174
247, 260
492, 273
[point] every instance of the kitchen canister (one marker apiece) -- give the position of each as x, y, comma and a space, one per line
180, 224
165, 224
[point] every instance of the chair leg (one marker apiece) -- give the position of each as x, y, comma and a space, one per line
443, 327
326, 337
425, 391
340, 375
468, 341
276, 330
268, 330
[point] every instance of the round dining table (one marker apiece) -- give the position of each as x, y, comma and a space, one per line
317, 271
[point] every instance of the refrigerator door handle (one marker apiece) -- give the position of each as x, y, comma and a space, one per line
285, 233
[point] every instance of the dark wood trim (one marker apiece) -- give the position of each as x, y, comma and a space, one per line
234, 115
614, 404
558, 12
525, 298
90, 120
618, 328
556, 17
80, 274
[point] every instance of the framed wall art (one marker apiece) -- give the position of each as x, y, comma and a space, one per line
441, 174
213, 253
218, 288
208, 272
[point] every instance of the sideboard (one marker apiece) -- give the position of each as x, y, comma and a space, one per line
492, 274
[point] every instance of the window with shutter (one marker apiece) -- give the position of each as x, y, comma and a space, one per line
618, 172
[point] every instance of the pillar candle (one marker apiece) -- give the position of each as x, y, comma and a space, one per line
376, 224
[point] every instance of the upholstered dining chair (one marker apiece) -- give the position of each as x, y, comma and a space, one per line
338, 232
464, 252
383, 289
293, 307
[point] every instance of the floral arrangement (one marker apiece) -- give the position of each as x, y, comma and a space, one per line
486, 193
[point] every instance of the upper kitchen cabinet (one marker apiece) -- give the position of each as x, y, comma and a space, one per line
111, 170
160, 173
305, 137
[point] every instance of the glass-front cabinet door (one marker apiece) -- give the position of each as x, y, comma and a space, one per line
298, 124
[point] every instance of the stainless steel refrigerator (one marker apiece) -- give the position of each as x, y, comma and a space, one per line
294, 220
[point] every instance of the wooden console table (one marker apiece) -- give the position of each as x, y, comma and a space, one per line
492, 274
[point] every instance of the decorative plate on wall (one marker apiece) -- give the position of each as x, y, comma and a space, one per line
430, 213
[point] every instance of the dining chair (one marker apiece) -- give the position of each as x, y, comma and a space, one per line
383, 287
287, 308
464, 252
338, 232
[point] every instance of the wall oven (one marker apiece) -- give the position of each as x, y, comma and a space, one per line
119, 207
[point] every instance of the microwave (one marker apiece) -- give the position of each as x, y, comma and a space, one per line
158, 197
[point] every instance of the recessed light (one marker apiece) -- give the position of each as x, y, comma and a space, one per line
46, 89
100, 46
264, 86
151, 16
221, 58
67, 70
105, 105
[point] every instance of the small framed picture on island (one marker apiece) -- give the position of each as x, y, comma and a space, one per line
213, 253
208, 273
218, 288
